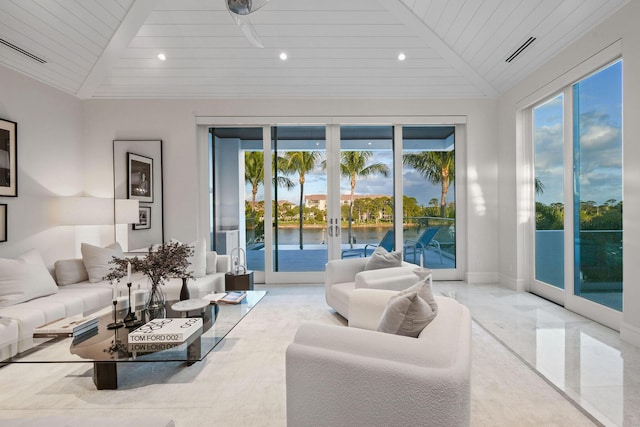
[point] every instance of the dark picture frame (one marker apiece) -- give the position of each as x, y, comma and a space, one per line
144, 223
8, 158
3, 222
139, 240
139, 178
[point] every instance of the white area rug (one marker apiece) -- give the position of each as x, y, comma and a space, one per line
242, 382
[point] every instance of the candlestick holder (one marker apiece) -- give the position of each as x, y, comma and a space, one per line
115, 324
131, 320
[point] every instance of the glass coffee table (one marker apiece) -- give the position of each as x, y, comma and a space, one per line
107, 348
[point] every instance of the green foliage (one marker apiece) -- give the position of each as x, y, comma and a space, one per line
607, 216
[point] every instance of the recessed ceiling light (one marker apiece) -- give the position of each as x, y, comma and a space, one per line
162, 57
402, 56
283, 56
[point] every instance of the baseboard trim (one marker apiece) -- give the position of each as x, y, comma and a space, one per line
481, 278
512, 283
630, 334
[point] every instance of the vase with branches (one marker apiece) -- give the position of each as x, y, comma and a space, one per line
169, 260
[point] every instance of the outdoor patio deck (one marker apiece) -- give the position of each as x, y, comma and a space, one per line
314, 258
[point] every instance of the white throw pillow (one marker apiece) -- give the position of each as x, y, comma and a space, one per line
212, 260
381, 258
96, 259
70, 271
24, 278
406, 315
197, 261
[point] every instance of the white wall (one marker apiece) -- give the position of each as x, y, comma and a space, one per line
50, 163
173, 121
623, 25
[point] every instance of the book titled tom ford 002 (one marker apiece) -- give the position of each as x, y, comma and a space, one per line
166, 330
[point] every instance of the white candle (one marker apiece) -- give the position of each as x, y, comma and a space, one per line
128, 272
421, 260
115, 295
133, 302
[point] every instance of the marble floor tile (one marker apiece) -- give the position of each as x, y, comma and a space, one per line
587, 362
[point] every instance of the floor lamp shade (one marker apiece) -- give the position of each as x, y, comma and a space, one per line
83, 211
127, 211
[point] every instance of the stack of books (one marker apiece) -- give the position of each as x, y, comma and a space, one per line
67, 327
226, 297
166, 331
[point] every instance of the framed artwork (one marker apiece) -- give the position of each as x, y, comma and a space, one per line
146, 156
8, 158
144, 221
3, 223
140, 178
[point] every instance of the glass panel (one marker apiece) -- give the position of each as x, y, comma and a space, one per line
237, 197
598, 187
428, 192
548, 141
300, 196
366, 189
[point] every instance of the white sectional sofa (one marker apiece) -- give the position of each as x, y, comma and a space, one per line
343, 276
74, 294
356, 376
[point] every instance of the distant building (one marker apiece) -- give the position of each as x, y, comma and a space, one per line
320, 200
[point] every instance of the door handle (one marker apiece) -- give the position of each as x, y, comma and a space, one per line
330, 228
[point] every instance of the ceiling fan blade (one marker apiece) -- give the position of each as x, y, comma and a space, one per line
248, 30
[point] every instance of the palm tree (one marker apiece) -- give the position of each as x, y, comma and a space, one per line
300, 162
539, 186
353, 164
436, 166
254, 173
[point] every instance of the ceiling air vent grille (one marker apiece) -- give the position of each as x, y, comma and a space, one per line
521, 49
22, 51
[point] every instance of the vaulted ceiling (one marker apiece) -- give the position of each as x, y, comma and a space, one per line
336, 48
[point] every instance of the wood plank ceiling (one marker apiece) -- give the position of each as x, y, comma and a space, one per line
336, 48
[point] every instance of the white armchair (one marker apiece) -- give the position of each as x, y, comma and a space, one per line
338, 375
342, 276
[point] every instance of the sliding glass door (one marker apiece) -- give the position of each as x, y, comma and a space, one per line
285, 199
299, 194
577, 143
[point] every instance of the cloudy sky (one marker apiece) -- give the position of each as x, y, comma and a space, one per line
599, 101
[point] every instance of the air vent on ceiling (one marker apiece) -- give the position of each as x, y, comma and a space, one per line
22, 51
521, 49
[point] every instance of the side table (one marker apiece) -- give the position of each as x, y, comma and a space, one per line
238, 282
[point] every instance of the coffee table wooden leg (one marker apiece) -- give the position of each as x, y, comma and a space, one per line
105, 375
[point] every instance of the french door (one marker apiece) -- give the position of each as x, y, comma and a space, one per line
292, 197
577, 231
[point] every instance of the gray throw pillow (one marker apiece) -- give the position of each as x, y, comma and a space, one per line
380, 258
70, 271
424, 291
406, 315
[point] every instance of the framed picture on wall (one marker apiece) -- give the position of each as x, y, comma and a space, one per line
144, 221
3, 222
140, 178
8, 159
